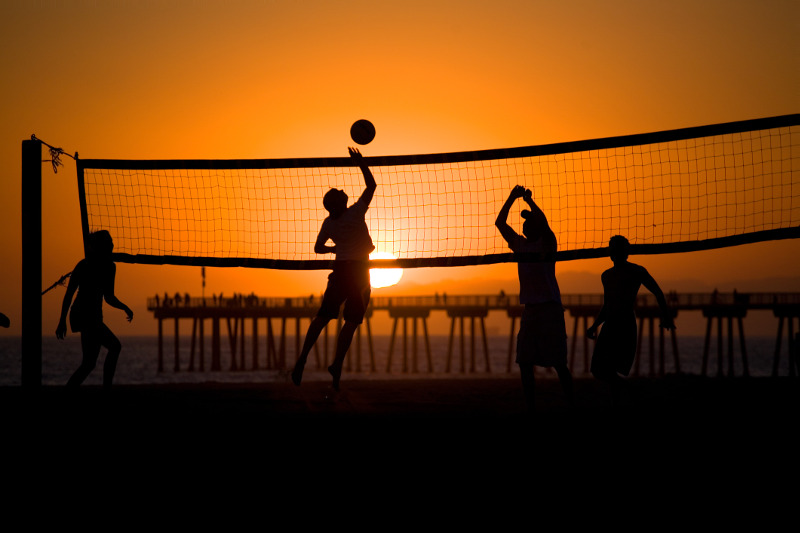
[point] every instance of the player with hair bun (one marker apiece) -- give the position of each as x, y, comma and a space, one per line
542, 338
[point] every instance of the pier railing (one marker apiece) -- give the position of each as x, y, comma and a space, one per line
728, 307
678, 301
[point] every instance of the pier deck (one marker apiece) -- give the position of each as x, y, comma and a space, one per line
467, 313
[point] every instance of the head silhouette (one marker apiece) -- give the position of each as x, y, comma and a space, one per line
100, 244
335, 201
532, 227
618, 248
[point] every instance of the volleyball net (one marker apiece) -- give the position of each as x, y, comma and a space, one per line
670, 191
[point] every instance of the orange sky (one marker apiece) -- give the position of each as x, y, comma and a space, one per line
258, 79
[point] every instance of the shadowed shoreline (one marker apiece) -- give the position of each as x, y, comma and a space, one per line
467, 434
672, 401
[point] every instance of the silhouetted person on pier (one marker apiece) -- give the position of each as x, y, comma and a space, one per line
542, 338
615, 348
349, 282
93, 278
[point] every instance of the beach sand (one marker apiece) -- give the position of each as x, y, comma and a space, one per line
674, 403
676, 443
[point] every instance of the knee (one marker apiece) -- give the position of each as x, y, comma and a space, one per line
604, 375
88, 364
114, 347
321, 320
350, 325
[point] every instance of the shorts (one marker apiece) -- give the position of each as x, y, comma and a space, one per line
542, 338
79, 321
615, 348
348, 284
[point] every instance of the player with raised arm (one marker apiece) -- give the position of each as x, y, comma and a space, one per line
349, 282
542, 338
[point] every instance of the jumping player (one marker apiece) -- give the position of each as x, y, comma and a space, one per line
349, 282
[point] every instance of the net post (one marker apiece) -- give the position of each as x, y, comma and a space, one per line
82, 199
31, 263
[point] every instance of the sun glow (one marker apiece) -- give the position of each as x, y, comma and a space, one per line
384, 277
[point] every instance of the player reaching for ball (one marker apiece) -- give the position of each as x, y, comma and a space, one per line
542, 338
349, 282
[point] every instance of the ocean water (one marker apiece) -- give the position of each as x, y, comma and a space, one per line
139, 362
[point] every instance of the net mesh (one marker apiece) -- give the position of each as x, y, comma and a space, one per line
693, 186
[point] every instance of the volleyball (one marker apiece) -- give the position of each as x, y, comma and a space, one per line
362, 131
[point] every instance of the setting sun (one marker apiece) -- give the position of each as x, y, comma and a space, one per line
384, 277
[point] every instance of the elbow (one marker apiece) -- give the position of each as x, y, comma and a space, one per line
501, 220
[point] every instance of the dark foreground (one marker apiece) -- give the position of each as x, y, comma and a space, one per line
435, 407
676, 442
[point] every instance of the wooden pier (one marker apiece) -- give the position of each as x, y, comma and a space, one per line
280, 315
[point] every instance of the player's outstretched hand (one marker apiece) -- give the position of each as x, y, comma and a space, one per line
355, 153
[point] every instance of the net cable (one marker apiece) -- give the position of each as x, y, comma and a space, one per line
671, 191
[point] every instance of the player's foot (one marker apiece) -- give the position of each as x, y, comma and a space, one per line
297, 373
336, 372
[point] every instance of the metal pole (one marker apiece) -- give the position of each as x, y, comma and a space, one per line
31, 263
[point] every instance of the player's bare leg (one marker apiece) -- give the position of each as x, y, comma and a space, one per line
342, 345
528, 385
565, 378
314, 330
